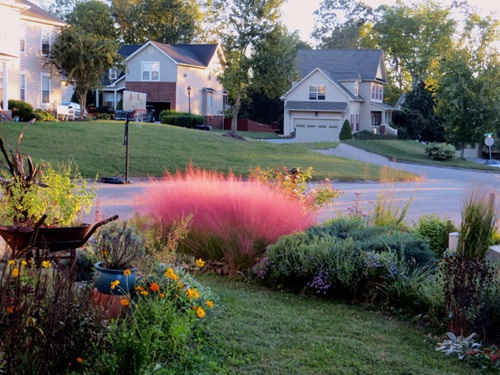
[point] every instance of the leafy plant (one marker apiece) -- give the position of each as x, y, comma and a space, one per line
436, 231
21, 109
117, 245
459, 346
345, 132
440, 151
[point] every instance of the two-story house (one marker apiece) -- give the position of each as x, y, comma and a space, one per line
177, 77
336, 85
26, 34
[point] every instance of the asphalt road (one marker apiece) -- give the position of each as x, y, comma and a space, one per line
440, 192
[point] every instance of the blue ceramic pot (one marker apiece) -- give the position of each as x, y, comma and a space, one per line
105, 276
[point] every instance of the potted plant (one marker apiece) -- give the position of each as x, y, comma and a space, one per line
117, 247
37, 201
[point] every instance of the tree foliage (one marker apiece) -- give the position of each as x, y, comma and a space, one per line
83, 59
339, 23
93, 17
248, 21
165, 21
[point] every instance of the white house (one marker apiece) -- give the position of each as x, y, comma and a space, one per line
26, 34
178, 77
334, 86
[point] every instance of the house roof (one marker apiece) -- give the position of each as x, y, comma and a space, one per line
35, 12
316, 106
385, 106
343, 64
197, 55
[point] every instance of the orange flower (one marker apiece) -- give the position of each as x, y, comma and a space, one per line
154, 287
79, 360
124, 302
10, 309
162, 295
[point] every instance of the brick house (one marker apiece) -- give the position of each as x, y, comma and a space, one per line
178, 77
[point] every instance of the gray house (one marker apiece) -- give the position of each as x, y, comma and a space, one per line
336, 85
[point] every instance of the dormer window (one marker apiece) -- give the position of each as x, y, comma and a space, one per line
112, 74
377, 91
317, 92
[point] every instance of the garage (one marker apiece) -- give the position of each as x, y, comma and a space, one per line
317, 130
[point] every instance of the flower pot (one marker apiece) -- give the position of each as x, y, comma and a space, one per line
105, 276
110, 305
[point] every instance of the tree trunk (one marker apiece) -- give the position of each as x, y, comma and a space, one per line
234, 114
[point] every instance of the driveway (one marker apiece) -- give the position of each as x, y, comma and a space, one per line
440, 192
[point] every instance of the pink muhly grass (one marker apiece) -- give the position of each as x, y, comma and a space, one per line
243, 216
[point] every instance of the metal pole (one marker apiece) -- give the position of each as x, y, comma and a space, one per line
125, 141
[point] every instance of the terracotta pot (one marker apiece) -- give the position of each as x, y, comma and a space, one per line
105, 276
111, 306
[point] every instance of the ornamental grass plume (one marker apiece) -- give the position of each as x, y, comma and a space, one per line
233, 220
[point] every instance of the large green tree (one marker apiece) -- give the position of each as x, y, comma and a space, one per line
83, 59
339, 23
414, 38
165, 21
249, 21
93, 17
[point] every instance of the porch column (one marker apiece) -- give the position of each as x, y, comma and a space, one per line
115, 104
5, 98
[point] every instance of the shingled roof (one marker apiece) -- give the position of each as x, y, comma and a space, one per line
342, 64
38, 13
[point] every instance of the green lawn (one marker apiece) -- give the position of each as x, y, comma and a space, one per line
411, 151
97, 148
259, 331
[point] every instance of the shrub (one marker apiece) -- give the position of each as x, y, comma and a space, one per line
102, 116
440, 151
44, 116
233, 220
345, 132
436, 231
184, 121
22, 109
368, 135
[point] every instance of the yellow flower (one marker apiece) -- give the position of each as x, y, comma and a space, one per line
210, 304
124, 302
24, 263
200, 312
15, 272
192, 293
114, 284
79, 360
144, 293
127, 272
200, 263
170, 273
139, 288
46, 264
12, 262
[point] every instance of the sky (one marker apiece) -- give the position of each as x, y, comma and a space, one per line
297, 14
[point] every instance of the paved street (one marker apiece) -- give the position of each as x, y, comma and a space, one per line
440, 192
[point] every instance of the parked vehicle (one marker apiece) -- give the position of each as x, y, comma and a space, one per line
139, 114
75, 108
492, 163
121, 115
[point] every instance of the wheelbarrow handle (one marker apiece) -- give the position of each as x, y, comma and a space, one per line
98, 225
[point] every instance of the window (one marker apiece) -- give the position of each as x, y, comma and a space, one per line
210, 100
45, 41
112, 74
45, 89
22, 39
377, 92
22, 87
150, 71
356, 88
317, 92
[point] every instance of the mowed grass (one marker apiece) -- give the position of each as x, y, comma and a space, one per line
260, 331
411, 151
97, 148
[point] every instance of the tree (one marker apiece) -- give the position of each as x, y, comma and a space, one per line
60, 8
345, 132
165, 21
93, 17
339, 23
413, 38
418, 119
83, 59
248, 21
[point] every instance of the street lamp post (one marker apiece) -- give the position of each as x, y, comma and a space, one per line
189, 98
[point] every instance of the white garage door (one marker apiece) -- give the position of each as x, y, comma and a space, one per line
315, 130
